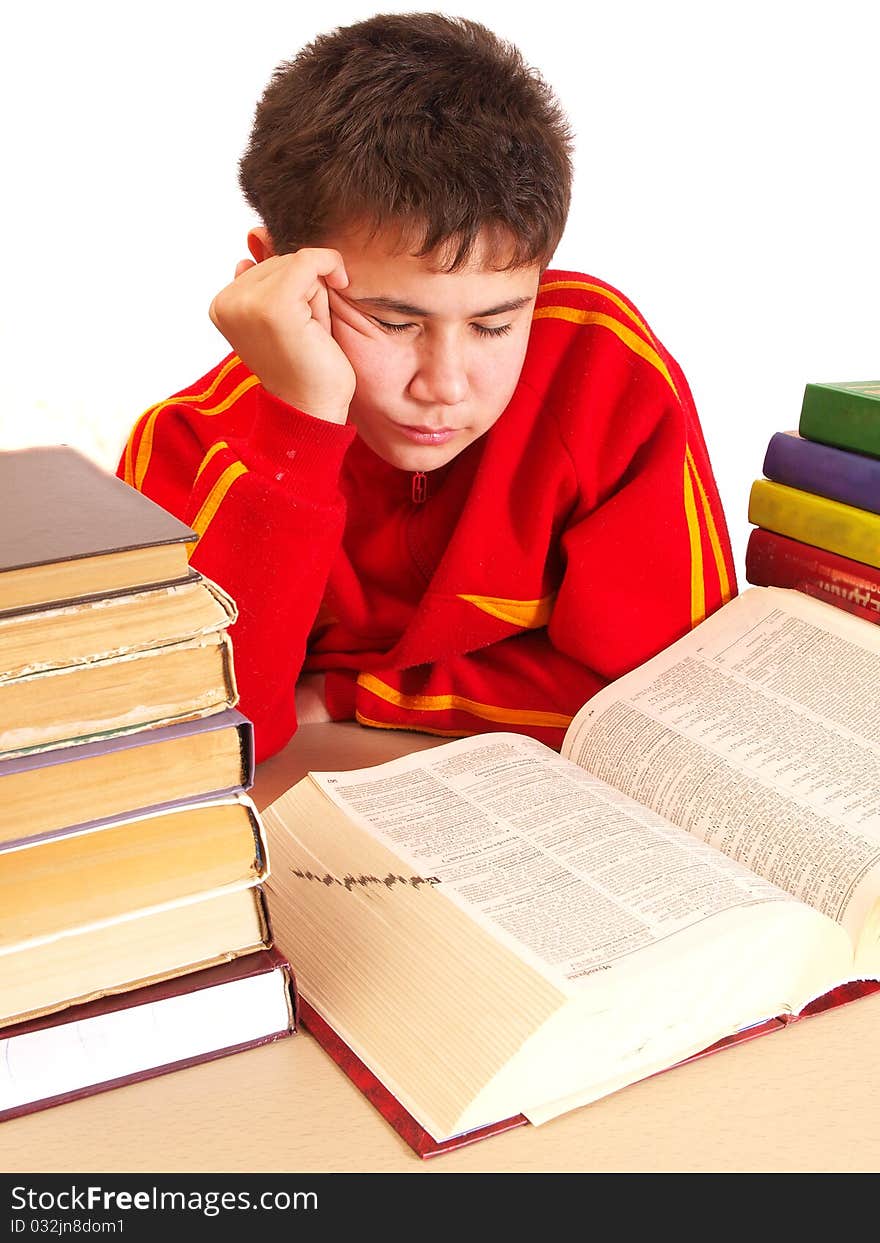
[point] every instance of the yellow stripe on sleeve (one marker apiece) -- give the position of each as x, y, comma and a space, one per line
698, 589
214, 499
233, 397
145, 448
214, 449
529, 614
717, 551
128, 472
626, 335
443, 703
605, 293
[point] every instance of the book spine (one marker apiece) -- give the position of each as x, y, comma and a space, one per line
248, 758
815, 520
842, 417
776, 561
839, 474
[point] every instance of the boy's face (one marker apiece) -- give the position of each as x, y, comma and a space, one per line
437, 355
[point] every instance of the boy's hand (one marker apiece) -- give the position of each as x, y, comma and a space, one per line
276, 317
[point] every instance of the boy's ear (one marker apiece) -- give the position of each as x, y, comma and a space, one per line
260, 243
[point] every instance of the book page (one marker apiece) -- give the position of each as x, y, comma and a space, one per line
758, 732
567, 871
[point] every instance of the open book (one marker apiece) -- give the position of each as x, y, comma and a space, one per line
495, 929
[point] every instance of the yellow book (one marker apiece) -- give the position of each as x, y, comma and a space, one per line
816, 520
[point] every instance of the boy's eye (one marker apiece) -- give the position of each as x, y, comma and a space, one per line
482, 330
391, 327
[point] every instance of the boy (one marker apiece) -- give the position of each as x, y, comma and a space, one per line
449, 490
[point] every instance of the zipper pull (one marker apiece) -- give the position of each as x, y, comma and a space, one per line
419, 487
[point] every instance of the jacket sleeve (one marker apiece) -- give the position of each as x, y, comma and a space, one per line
645, 556
259, 483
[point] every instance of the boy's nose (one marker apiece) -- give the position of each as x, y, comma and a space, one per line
441, 376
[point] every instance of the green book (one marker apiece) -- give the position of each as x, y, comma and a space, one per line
844, 415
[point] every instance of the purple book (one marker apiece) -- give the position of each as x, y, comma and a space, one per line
839, 474
49, 793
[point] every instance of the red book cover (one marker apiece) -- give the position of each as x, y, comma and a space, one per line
424, 1145
778, 561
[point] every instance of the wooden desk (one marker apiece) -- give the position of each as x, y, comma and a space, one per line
804, 1099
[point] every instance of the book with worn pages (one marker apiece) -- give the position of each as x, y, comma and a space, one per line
100, 668
51, 637
490, 931
155, 1029
135, 936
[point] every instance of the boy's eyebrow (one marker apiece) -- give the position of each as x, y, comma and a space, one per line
406, 308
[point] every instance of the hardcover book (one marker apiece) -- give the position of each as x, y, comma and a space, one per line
423, 1145
140, 948
45, 792
494, 929
777, 561
117, 694
56, 637
844, 529
845, 414
839, 474
69, 528
98, 874
150, 1031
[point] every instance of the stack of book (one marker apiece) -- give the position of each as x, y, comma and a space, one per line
817, 510
134, 933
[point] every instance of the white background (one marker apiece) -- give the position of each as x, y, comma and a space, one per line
727, 181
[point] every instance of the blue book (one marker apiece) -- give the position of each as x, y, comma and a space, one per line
839, 474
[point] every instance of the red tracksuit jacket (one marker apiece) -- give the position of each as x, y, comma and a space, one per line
578, 537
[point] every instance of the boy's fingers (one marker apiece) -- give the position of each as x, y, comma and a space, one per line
350, 314
242, 266
319, 306
327, 263
338, 277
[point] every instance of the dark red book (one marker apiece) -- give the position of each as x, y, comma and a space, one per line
774, 560
151, 1031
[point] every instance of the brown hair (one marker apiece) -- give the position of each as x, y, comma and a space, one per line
426, 124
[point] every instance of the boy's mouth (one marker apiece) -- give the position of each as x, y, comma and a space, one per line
427, 435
